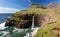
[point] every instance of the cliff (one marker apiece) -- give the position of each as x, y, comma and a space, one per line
23, 18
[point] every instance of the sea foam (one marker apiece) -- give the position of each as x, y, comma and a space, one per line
2, 26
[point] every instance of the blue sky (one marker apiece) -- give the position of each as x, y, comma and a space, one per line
11, 6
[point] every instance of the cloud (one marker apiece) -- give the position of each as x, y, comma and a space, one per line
3, 8
8, 10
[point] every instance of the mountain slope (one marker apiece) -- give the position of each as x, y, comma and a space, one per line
53, 5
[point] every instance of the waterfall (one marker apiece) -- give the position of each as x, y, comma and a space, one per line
32, 27
32, 23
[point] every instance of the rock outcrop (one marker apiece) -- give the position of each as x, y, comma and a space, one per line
25, 22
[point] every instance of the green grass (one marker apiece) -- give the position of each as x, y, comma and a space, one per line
33, 11
47, 31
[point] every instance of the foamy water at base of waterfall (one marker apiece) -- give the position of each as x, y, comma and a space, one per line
15, 32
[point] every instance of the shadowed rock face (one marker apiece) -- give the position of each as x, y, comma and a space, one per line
28, 16
26, 21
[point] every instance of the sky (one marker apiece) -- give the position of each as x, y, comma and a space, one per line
11, 6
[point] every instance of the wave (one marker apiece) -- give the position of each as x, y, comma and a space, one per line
2, 26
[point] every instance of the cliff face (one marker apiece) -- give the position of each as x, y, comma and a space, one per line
23, 18
24, 21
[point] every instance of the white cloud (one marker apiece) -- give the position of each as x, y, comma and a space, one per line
8, 10
3, 8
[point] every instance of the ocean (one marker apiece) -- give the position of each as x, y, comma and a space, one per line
4, 16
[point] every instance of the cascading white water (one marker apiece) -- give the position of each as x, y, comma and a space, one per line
32, 27
32, 23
